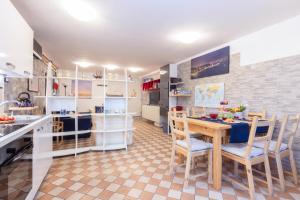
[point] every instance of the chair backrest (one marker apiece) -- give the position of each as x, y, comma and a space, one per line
293, 132
178, 131
283, 129
281, 132
260, 115
196, 111
267, 138
174, 112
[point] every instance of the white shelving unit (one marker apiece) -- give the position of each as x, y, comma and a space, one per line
112, 129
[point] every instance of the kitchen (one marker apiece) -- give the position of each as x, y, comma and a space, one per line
107, 100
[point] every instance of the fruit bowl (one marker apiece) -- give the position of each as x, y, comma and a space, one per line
213, 115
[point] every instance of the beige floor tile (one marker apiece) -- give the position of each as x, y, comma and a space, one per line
141, 172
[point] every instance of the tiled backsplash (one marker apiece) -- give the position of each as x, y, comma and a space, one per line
14, 86
272, 85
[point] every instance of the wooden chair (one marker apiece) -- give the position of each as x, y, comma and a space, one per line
58, 126
178, 113
259, 115
175, 113
196, 111
189, 147
279, 150
248, 155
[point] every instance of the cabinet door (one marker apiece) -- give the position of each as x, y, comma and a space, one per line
42, 152
16, 40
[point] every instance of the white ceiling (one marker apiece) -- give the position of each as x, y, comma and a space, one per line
135, 32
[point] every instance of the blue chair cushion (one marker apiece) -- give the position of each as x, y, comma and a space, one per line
272, 146
239, 149
196, 145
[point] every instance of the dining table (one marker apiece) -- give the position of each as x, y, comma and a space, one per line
216, 131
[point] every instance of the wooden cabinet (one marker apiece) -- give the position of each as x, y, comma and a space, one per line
16, 41
151, 113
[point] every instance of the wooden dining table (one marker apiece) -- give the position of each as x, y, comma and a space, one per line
216, 131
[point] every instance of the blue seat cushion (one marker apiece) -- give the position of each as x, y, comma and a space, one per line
239, 149
196, 145
272, 146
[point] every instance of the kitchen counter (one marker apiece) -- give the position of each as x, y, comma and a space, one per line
22, 125
34, 131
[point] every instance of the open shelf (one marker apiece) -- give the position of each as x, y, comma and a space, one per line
94, 114
84, 78
115, 126
178, 83
181, 95
119, 80
82, 97
70, 78
67, 133
56, 97
23, 108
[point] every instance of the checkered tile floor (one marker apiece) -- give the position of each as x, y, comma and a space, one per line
139, 173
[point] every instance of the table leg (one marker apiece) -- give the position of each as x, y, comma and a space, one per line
217, 161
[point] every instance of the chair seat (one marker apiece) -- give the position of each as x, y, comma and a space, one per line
239, 149
272, 146
196, 145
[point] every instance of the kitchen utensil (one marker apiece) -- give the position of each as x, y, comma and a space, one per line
24, 100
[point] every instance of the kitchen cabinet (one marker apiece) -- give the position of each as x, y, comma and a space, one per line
16, 41
26, 152
151, 113
42, 154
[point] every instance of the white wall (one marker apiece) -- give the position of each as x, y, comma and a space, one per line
273, 42
135, 104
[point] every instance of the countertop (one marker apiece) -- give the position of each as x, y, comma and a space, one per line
23, 124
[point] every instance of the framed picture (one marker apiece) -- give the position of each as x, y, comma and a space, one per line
33, 84
84, 88
209, 95
211, 64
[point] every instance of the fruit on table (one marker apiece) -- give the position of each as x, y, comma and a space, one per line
6, 118
240, 108
228, 120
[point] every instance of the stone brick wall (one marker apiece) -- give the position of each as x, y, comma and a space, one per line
273, 86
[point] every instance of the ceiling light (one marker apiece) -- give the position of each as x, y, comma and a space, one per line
187, 37
80, 10
135, 69
111, 67
3, 55
83, 64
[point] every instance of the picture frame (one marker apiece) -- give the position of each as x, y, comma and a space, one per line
211, 64
84, 88
33, 84
209, 95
